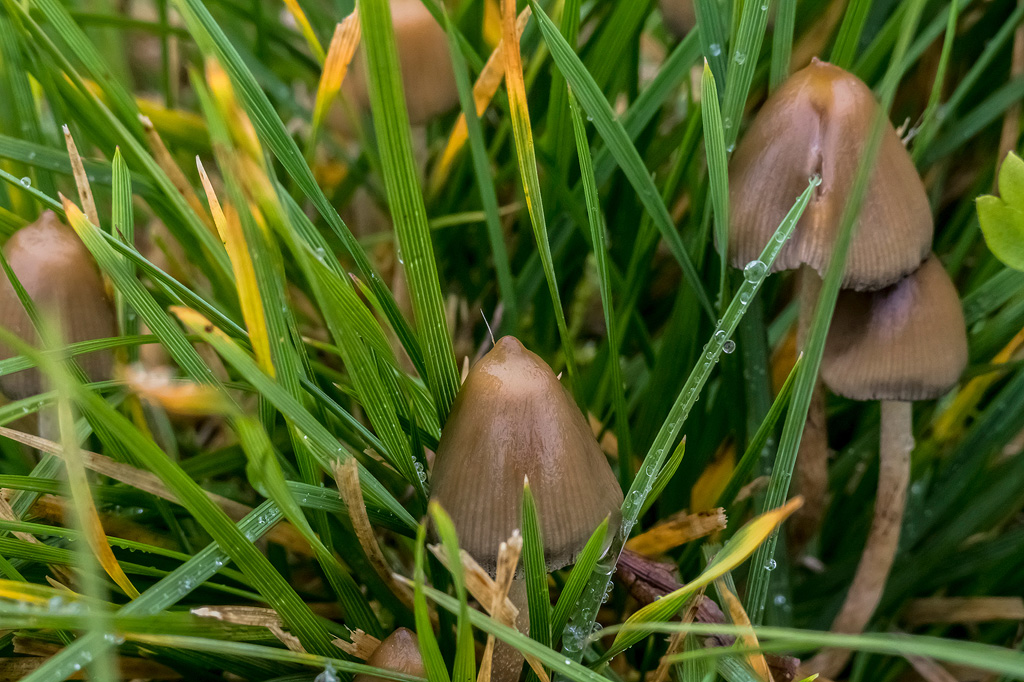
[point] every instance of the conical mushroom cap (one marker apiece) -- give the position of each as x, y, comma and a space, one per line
60, 276
906, 342
512, 419
679, 16
818, 123
400, 653
428, 77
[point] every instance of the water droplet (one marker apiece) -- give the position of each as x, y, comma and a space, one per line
764, 6
715, 49
744, 297
816, 179
720, 336
26, 181
328, 675
731, 148
780, 599
729, 346
754, 271
739, 57
727, 122
770, 565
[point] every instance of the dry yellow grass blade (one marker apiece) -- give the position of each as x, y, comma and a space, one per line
254, 616
487, 84
230, 228
306, 28
78, 484
242, 130
950, 423
677, 530
339, 56
283, 534
932, 610
183, 398
747, 640
347, 476
362, 645
81, 179
508, 559
714, 479
169, 166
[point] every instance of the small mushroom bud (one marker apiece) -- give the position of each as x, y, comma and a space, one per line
818, 123
900, 344
60, 276
399, 652
428, 77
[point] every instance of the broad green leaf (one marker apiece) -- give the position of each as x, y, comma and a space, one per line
1002, 218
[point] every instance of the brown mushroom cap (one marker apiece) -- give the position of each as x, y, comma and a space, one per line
512, 419
817, 123
906, 342
400, 653
427, 74
679, 16
60, 276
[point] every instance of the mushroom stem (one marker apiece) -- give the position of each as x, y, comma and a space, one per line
895, 445
812, 460
507, 662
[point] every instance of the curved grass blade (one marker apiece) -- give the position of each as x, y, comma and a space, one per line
653, 463
274, 135
408, 212
718, 175
534, 566
465, 653
597, 238
431, 653
735, 552
577, 579
523, 135
618, 142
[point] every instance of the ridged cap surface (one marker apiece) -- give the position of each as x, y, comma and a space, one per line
512, 419
906, 342
818, 123
60, 276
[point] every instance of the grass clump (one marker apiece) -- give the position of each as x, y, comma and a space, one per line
302, 273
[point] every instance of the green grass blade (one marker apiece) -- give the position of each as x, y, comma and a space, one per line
714, 36
523, 135
782, 42
536, 571
123, 223
465, 654
845, 48
718, 175
391, 123
274, 135
614, 135
485, 184
742, 63
577, 580
598, 239
431, 653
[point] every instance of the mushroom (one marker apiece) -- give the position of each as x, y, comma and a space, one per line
897, 345
61, 277
817, 123
513, 420
399, 652
679, 16
428, 77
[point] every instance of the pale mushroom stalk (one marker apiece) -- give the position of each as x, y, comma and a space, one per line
897, 345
